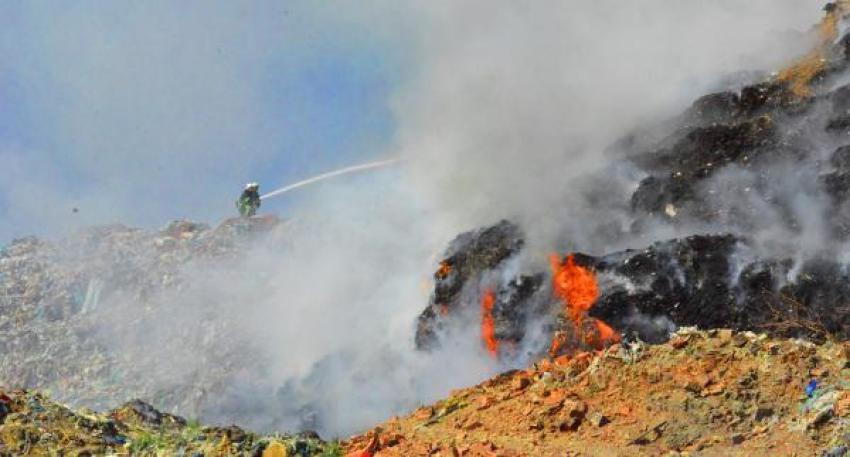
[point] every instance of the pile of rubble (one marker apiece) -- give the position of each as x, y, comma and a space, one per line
714, 392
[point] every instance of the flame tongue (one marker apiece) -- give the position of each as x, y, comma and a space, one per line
606, 333
488, 328
444, 270
576, 286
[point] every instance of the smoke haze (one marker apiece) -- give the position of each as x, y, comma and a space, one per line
516, 105
504, 110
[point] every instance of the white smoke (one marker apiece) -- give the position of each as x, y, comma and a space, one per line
509, 108
512, 107
516, 103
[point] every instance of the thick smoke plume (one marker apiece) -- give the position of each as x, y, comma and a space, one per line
510, 109
515, 107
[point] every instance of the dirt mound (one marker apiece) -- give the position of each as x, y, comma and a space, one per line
704, 393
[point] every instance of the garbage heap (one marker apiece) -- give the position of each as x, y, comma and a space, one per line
33, 424
64, 304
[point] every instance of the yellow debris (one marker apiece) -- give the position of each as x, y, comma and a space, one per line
800, 74
275, 449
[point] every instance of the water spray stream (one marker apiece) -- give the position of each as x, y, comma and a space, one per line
331, 174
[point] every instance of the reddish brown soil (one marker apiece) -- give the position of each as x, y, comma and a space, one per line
712, 393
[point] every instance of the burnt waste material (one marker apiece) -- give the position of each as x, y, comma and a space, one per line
750, 188
701, 280
759, 131
466, 259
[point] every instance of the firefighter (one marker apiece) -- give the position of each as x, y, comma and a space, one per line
249, 201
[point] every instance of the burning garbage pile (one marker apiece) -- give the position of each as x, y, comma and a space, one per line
752, 183
577, 288
589, 302
464, 279
737, 213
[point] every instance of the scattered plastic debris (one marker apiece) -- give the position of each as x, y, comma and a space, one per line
811, 387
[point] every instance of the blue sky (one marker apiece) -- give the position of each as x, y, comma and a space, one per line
140, 113
144, 112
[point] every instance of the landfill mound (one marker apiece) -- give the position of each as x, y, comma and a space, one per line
63, 305
32, 424
736, 214
707, 393
754, 183
710, 393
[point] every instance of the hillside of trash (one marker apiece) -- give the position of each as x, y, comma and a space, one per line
59, 313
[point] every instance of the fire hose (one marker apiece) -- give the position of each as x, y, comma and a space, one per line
331, 174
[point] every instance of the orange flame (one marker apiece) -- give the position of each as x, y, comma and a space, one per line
603, 336
558, 341
606, 333
444, 270
488, 328
576, 286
